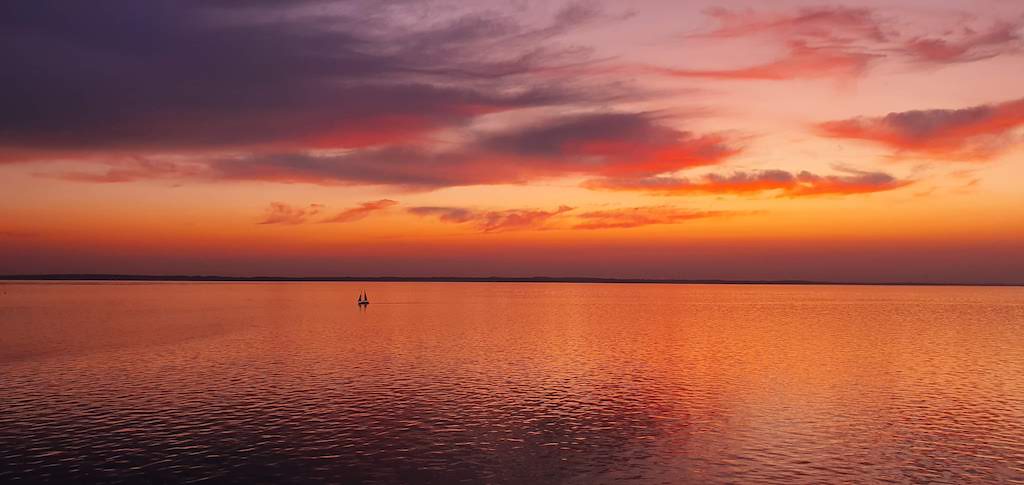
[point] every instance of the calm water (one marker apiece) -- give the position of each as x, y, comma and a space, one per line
510, 383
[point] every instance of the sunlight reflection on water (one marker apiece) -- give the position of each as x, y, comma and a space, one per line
510, 383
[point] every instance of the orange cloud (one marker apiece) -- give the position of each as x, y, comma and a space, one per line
638, 216
492, 221
535, 219
975, 133
361, 211
128, 169
779, 182
281, 213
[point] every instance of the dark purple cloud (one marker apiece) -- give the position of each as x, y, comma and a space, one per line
166, 75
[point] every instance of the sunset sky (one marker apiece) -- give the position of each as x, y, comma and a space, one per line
842, 141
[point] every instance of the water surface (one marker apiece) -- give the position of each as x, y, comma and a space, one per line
510, 383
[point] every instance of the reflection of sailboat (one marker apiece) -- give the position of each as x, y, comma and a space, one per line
362, 300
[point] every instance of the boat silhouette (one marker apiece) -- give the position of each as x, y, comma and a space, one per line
362, 300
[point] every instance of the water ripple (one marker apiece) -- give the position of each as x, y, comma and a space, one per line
516, 383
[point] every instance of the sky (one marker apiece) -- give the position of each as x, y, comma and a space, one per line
839, 141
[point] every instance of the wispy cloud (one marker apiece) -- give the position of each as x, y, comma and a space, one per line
778, 183
281, 213
974, 133
564, 217
361, 211
640, 216
801, 61
844, 42
119, 169
597, 144
492, 221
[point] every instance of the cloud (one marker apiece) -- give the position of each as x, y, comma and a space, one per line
535, 219
965, 44
361, 211
130, 169
845, 42
492, 221
609, 143
606, 144
601, 144
777, 182
639, 216
281, 213
192, 75
836, 23
348, 93
975, 133
801, 61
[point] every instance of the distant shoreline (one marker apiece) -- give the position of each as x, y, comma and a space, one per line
466, 279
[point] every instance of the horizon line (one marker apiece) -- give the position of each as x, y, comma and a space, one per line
471, 279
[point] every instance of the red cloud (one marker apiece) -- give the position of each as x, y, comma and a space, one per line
361, 211
779, 182
492, 221
639, 216
281, 213
974, 133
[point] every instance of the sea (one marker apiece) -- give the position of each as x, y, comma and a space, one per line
523, 383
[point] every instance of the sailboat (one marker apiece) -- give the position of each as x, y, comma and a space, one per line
362, 300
